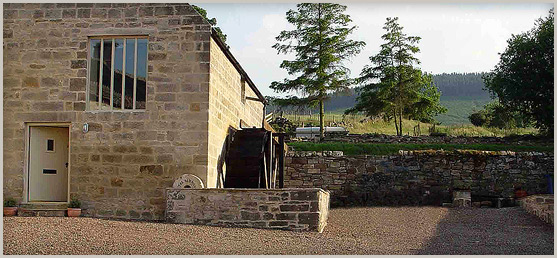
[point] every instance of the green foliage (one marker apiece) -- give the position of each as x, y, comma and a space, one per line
320, 42
74, 203
478, 118
523, 78
9, 202
496, 115
402, 90
387, 149
212, 21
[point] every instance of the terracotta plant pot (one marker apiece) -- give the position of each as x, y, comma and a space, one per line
520, 193
74, 212
10, 211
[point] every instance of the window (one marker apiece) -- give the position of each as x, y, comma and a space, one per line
50, 145
120, 82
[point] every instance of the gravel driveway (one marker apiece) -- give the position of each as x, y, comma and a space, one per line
376, 230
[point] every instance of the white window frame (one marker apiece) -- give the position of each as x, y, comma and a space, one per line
87, 91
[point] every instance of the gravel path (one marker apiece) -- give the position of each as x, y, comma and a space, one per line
377, 230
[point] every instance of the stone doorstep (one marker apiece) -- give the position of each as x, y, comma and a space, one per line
23, 212
42, 209
44, 206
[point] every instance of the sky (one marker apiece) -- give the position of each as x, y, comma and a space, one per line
455, 37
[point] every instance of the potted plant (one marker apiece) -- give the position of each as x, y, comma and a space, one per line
10, 208
74, 208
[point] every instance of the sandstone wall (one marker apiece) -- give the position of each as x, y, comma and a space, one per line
291, 209
121, 167
226, 109
417, 178
540, 205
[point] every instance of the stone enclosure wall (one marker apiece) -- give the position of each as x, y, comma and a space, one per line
290, 209
384, 138
540, 205
417, 178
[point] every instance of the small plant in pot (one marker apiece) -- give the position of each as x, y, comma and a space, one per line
74, 208
10, 208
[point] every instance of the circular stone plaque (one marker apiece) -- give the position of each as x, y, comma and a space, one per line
188, 181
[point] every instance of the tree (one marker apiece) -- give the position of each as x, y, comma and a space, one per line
523, 78
496, 115
320, 42
212, 21
478, 118
392, 86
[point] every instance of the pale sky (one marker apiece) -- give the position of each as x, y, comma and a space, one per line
455, 37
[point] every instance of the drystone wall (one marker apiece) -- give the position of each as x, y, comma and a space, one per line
383, 138
540, 205
289, 209
418, 177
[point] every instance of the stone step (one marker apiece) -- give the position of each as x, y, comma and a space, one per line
23, 212
42, 209
44, 206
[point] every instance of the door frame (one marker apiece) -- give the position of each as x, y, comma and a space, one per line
26, 158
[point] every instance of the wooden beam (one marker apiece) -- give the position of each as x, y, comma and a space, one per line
281, 161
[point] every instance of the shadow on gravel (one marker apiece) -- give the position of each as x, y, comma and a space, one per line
488, 231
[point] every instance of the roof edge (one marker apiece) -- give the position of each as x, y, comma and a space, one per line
237, 65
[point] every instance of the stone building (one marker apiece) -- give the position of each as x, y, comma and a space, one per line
116, 135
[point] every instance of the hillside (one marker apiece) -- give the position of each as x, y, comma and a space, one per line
461, 94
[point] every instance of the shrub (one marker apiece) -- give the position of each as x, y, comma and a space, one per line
478, 118
9, 202
74, 203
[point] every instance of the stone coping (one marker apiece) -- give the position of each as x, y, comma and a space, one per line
251, 189
419, 152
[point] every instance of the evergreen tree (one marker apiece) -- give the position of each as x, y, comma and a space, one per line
401, 90
320, 42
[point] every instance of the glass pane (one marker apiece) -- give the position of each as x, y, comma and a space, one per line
141, 73
107, 66
49, 145
130, 59
118, 68
95, 47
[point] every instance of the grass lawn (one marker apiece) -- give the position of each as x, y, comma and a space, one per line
386, 149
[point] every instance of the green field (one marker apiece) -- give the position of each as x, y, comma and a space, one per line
459, 109
358, 124
387, 149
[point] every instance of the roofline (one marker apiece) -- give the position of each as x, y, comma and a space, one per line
237, 65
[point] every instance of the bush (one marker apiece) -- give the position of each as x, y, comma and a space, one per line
9, 203
74, 203
478, 118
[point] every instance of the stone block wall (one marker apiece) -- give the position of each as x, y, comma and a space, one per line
540, 205
121, 167
226, 109
291, 209
417, 178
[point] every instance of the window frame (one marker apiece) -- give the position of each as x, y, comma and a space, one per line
88, 86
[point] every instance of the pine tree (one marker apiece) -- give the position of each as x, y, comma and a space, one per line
320, 42
402, 90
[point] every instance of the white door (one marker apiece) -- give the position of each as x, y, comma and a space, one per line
48, 163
